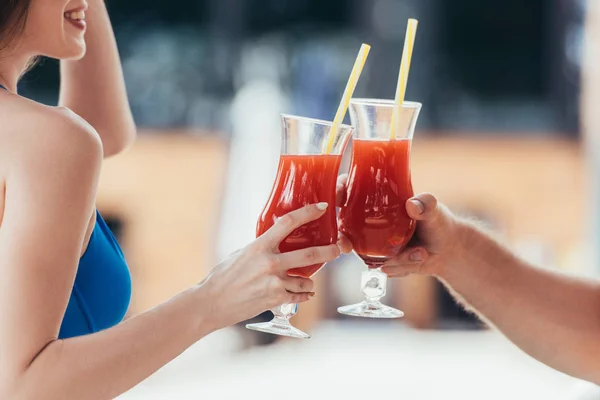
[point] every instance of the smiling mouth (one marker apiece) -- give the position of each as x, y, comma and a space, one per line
76, 18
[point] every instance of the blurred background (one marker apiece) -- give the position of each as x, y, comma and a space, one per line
507, 133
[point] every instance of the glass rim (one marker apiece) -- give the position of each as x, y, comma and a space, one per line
385, 103
314, 120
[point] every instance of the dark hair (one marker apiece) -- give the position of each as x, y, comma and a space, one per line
13, 17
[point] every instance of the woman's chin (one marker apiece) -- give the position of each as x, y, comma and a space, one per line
72, 52
77, 56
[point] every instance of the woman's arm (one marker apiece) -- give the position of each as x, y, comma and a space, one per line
94, 88
108, 363
49, 199
50, 190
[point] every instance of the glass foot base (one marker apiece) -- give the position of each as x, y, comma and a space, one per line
279, 328
371, 310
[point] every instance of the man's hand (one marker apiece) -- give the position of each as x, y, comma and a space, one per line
438, 241
340, 192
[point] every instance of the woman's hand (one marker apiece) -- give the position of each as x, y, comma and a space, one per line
255, 278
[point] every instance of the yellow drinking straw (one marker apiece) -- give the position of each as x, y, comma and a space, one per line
409, 42
348, 92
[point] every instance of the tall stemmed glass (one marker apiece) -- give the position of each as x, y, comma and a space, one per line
374, 215
306, 175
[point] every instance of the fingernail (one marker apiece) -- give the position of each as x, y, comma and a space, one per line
311, 294
419, 205
416, 256
322, 206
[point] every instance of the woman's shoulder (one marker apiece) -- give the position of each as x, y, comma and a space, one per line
25, 119
45, 154
32, 129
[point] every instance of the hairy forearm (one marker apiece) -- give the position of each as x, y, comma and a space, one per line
94, 88
553, 317
108, 363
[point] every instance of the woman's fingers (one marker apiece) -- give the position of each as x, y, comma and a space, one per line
291, 221
310, 256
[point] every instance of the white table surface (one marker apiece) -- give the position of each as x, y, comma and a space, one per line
355, 361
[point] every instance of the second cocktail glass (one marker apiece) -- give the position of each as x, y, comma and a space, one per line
374, 215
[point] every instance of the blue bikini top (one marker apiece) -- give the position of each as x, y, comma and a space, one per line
102, 289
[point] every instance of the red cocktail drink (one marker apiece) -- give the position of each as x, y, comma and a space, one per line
374, 216
303, 180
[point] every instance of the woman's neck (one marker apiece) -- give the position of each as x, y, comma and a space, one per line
11, 69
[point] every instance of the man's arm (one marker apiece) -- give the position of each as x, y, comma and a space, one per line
551, 316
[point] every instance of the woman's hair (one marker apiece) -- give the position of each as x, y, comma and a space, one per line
13, 17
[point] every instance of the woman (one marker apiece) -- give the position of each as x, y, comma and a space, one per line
64, 286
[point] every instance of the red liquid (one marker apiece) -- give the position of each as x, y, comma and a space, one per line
303, 180
374, 216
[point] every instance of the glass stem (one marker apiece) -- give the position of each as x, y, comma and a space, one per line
373, 284
283, 313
